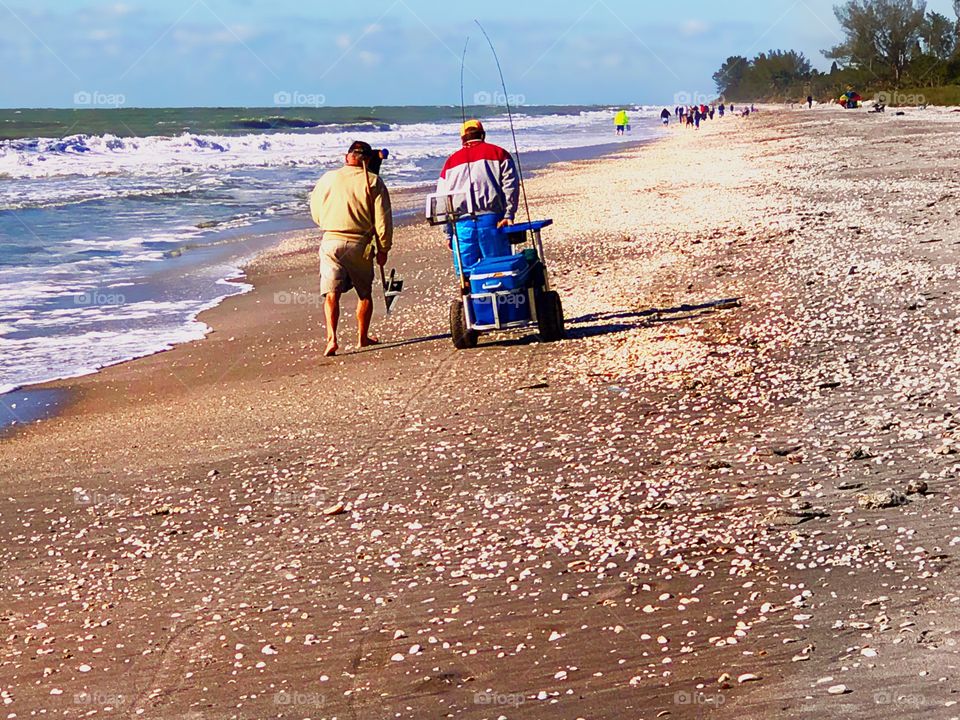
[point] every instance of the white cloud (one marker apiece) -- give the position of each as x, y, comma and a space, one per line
368, 58
198, 36
692, 28
244, 33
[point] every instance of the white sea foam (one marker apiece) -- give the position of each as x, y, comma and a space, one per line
67, 350
30, 361
92, 156
82, 310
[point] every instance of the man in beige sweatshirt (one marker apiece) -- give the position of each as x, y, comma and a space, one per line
352, 207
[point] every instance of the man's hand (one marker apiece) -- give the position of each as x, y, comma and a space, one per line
504, 223
381, 258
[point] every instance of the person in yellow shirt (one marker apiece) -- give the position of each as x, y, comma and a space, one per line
621, 120
352, 207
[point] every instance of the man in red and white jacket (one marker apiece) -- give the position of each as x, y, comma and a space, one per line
487, 174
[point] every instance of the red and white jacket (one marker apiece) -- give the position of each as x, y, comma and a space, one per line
488, 174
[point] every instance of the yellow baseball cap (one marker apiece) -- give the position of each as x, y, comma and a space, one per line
471, 125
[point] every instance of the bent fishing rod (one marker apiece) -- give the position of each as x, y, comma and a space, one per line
506, 98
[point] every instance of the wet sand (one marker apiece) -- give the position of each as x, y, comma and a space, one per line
657, 517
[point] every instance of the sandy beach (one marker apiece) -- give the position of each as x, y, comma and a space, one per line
730, 493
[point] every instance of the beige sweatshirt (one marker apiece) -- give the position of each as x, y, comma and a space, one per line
341, 204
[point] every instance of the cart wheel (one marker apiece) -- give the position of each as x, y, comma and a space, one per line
550, 317
463, 338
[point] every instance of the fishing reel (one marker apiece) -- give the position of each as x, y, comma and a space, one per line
371, 158
375, 161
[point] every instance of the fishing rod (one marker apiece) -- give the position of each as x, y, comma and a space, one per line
463, 116
463, 65
506, 98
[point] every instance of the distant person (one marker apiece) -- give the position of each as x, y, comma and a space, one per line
722, 109
352, 207
621, 120
697, 117
810, 101
487, 174
665, 116
713, 110
733, 110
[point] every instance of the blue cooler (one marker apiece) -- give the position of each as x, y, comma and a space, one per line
509, 275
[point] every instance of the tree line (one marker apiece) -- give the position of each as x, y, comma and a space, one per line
888, 45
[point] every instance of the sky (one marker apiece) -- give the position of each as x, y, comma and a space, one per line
173, 53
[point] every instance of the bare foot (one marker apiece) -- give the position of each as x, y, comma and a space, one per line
332, 348
367, 342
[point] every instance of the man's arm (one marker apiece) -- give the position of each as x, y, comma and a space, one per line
383, 217
442, 186
317, 199
511, 186
442, 180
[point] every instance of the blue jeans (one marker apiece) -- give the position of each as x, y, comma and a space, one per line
480, 239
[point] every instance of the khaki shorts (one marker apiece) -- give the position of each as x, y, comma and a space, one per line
343, 266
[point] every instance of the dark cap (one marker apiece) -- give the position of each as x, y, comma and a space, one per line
361, 148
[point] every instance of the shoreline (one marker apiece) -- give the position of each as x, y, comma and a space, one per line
27, 404
662, 511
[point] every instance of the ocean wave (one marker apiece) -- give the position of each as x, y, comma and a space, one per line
59, 196
165, 156
217, 183
46, 358
76, 349
125, 244
285, 123
248, 218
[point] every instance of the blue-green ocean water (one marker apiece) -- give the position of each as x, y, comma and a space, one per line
117, 227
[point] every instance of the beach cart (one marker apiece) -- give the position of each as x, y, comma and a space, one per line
511, 292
